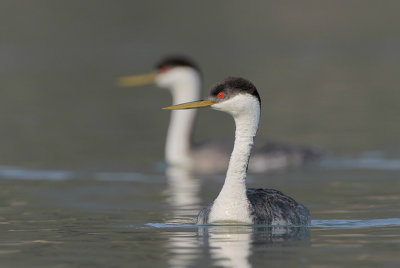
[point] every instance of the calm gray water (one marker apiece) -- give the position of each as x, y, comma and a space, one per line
59, 219
82, 179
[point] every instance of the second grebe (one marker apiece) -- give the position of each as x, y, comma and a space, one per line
183, 79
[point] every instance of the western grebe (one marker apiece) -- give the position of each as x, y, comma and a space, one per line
183, 79
239, 98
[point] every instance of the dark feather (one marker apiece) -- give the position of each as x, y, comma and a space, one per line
268, 206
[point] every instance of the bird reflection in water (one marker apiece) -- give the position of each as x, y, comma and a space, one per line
182, 195
233, 245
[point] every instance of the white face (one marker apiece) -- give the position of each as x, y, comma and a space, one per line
245, 110
241, 104
175, 77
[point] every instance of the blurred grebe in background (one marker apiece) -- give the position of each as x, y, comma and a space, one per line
183, 79
239, 98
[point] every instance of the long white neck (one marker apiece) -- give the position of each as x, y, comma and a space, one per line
235, 181
178, 144
232, 202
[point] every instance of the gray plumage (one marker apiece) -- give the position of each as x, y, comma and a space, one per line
268, 206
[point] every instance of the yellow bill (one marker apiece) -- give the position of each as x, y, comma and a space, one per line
191, 105
137, 80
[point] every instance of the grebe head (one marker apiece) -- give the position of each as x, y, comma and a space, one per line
177, 74
174, 72
234, 95
169, 73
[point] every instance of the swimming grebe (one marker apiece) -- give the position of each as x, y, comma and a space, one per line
235, 203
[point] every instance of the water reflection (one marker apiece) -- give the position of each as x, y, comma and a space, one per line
231, 246
183, 197
182, 194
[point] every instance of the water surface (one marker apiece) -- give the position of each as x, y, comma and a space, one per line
122, 219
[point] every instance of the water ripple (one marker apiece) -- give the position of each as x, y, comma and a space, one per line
336, 224
333, 224
26, 174
19, 173
375, 163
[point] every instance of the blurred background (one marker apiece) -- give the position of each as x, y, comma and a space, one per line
327, 72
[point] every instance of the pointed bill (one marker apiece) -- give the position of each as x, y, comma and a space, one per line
137, 80
191, 105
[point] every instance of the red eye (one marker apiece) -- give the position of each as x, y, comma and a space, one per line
221, 95
164, 69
